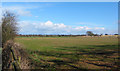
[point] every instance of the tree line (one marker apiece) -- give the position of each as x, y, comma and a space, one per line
88, 33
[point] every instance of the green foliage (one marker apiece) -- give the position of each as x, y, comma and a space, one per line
9, 29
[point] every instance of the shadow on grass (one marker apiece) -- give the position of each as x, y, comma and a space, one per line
95, 50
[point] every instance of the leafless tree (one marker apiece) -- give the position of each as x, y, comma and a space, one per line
9, 28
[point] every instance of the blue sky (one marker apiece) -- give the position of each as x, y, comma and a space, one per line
60, 0
65, 17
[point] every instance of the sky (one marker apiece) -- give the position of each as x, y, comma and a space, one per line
59, 0
65, 17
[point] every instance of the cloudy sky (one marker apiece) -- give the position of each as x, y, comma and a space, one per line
65, 17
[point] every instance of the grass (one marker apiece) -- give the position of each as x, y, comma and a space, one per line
71, 52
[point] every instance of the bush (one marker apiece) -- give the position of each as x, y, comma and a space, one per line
9, 29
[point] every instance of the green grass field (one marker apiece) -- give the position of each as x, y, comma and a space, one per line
71, 52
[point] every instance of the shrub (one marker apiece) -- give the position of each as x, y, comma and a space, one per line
9, 28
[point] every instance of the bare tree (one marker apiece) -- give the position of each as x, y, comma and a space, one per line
9, 28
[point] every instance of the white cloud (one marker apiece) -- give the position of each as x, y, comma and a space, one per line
82, 28
97, 28
48, 27
22, 11
48, 23
25, 9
